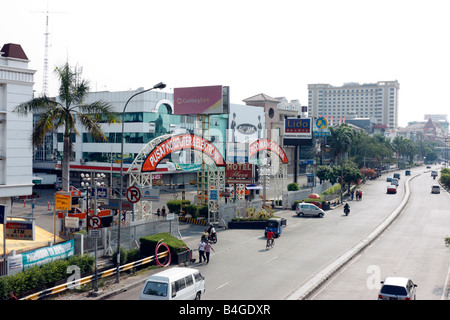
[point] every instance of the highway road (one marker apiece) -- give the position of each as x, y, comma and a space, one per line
413, 246
242, 269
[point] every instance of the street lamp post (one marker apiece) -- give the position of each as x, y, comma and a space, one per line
159, 85
98, 181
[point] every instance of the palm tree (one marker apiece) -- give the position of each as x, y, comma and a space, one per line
340, 141
64, 114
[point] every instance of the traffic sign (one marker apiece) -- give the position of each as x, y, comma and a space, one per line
95, 233
95, 222
133, 194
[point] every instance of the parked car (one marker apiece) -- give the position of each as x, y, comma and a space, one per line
308, 209
392, 189
435, 189
397, 288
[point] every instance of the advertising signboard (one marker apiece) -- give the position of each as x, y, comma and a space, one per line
245, 123
239, 173
321, 127
149, 194
48, 254
63, 201
297, 131
198, 100
19, 230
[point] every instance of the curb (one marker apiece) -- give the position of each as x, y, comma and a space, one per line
315, 282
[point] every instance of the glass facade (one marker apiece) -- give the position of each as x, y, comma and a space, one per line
163, 122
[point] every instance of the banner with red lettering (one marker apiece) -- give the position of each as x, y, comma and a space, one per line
178, 142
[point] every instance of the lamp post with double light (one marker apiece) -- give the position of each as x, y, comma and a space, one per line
159, 85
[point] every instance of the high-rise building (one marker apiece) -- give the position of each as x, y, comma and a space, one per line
16, 86
376, 101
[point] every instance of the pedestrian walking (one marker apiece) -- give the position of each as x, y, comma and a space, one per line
360, 195
158, 212
352, 194
163, 211
201, 251
357, 195
208, 249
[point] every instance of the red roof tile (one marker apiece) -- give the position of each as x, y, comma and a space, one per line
12, 50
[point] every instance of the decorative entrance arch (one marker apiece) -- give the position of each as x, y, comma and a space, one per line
140, 171
179, 142
266, 144
277, 168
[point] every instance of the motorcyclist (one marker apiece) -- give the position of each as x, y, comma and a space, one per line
346, 208
270, 236
211, 231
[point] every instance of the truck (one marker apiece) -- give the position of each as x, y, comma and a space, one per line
45, 179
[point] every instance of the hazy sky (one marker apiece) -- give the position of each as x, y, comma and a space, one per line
253, 46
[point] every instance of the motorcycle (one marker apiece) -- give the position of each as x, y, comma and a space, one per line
346, 210
212, 238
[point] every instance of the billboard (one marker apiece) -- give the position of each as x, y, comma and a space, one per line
297, 131
198, 100
245, 122
239, 173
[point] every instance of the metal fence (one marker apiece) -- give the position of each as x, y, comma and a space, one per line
129, 236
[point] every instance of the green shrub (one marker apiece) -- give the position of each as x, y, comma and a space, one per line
38, 278
192, 210
445, 179
293, 186
174, 206
148, 244
203, 211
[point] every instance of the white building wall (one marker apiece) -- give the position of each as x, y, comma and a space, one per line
16, 86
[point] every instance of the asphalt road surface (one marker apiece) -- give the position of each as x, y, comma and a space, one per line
413, 247
242, 269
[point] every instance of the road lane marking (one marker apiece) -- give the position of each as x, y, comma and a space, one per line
270, 260
445, 292
223, 285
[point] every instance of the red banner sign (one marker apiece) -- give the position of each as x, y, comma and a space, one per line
175, 143
266, 144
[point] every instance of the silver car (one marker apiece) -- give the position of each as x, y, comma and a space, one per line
397, 288
309, 209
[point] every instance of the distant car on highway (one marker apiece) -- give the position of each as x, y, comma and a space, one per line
389, 179
392, 189
397, 288
435, 189
397, 176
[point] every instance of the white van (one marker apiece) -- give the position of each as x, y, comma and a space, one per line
174, 284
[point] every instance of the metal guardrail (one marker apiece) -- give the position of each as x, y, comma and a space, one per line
107, 273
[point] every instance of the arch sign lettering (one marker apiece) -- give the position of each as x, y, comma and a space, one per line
266, 144
179, 142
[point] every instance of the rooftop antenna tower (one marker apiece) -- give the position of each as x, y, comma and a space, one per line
45, 71
46, 47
